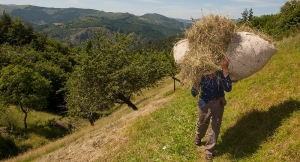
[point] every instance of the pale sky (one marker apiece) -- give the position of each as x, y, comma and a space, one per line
184, 9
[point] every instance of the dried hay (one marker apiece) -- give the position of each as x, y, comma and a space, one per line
206, 43
245, 28
208, 40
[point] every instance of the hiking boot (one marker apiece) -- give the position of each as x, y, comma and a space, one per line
209, 157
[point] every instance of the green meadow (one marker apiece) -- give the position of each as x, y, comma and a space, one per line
260, 123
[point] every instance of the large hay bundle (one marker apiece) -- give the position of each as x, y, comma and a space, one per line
214, 38
208, 40
248, 53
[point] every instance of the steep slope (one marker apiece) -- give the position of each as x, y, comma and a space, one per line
92, 143
261, 122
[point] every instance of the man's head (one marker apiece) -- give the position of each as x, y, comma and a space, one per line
208, 72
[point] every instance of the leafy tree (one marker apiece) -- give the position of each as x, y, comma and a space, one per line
40, 42
250, 16
23, 87
19, 34
58, 78
54, 66
5, 24
245, 15
110, 72
284, 24
14, 31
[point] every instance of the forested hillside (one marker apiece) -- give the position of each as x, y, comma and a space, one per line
74, 25
40, 75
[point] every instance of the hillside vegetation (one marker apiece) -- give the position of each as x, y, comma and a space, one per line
48, 89
40, 76
261, 122
75, 25
280, 25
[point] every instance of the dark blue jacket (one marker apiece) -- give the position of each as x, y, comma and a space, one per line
212, 88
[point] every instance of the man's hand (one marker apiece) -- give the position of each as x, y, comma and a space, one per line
224, 65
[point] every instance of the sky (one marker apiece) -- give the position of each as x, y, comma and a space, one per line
183, 9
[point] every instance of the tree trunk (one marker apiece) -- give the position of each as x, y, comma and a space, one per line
91, 118
25, 117
127, 101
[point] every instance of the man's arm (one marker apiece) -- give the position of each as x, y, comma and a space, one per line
226, 81
194, 91
225, 64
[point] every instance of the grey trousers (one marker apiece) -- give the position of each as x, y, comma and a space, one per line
211, 111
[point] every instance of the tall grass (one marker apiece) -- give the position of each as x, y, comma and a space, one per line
41, 131
261, 119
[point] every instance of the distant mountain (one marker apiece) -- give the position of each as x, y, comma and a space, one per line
74, 25
183, 20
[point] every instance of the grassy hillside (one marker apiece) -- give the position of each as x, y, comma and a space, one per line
261, 122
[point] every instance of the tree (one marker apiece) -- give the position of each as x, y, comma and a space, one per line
19, 34
23, 87
14, 31
110, 72
250, 16
280, 25
57, 78
245, 15
5, 24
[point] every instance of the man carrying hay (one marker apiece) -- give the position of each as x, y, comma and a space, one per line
211, 106
209, 41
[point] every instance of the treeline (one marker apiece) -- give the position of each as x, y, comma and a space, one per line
69, 25
36, 14
125, 23
283, 24
39, 73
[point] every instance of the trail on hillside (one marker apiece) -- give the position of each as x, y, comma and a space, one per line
98, 144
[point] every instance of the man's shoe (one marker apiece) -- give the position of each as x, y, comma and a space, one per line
197, 142
209, 157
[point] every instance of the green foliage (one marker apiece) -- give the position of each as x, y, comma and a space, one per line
4, 27
43, 128
8, 147
283, 24
165, 44
14, 32
57, 76
24, 87
250, 16
10, 119
52, 65
260, 121
245, 15
110, 72
21, 45
40, 42
76, 25
19, 84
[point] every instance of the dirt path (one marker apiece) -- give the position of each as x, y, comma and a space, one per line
100, 143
